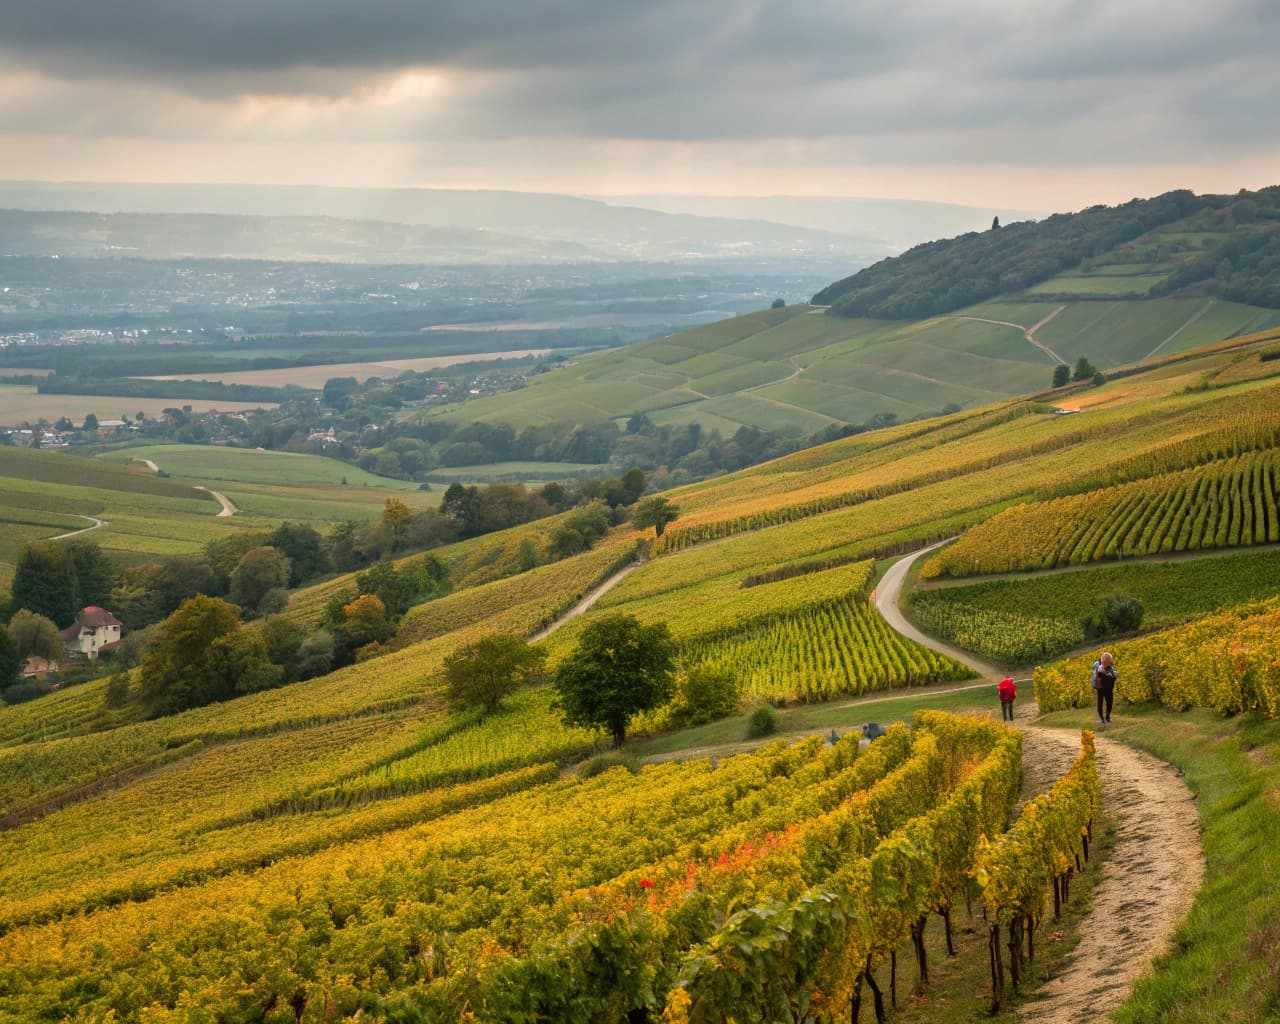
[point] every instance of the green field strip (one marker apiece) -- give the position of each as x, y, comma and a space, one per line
1137, 285
758, 409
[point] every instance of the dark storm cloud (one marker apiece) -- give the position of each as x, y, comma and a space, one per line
927, 80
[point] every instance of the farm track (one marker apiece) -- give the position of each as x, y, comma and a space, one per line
228, 509
97, 525
1151, 877
591, 598
1027, 332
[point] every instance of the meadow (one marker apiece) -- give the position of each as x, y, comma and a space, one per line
348, 846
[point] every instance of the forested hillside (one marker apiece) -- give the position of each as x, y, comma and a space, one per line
1218, 246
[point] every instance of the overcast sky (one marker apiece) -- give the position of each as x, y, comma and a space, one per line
1040, 104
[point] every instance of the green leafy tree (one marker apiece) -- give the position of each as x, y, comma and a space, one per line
483, 673
633, 484
1084, 369
656, 512
395, 517
1061, 375
179, 673
258, 572
44, 581
35, 634
90, 422
778, 304
282, 638
10, 662
703, 694
619, 668
315, 655
96, 572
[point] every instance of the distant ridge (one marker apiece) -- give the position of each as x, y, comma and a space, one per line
1181, 244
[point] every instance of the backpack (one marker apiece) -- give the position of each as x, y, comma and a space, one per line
1093, 676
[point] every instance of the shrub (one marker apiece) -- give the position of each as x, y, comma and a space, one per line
703, 694
603, 762
763, 722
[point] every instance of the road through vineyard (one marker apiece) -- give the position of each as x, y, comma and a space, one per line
1150, 879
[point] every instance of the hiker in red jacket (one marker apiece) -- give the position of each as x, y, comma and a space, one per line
1008, 691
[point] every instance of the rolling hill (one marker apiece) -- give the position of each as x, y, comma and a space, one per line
800, 371
353, 847
954, 323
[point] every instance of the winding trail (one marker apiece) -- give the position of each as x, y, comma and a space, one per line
588, 601
228, 509
97, 524
1027, 332
1152, 875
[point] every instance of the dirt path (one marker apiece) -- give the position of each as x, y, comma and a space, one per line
1147, 888
1027, 332
1155, 868
228, 509
887, 594
97, 524
587, 601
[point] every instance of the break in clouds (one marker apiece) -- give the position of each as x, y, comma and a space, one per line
1007, 81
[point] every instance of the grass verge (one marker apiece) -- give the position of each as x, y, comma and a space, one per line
1224, 964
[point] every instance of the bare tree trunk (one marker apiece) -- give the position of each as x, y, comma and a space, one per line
946, 927
893, 979
922, 956
875, 992
997, 968
1015, 953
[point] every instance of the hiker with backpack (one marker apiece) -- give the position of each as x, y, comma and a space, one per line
1008, 691
1104, 683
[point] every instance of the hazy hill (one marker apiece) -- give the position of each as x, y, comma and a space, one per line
583, 228
899, 223
1176, 244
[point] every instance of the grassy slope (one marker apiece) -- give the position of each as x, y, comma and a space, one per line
797, 369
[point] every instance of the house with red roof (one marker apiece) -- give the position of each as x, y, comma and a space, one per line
94, 631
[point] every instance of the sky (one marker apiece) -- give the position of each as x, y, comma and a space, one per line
1033, 104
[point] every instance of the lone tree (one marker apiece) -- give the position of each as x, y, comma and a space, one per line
618, 669
656, 512
995, 222
483, 673
1061, 375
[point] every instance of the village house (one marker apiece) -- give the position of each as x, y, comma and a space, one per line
94, 631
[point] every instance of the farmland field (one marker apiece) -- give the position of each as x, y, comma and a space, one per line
247, 465
20, 403
315, 376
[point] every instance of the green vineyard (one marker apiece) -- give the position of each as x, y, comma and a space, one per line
1231, 503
